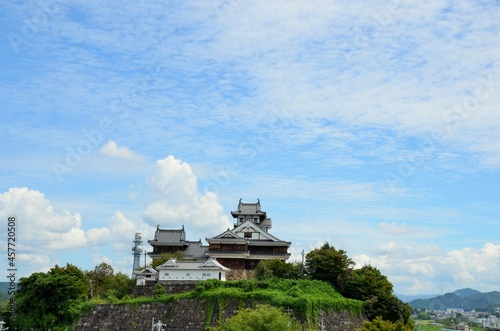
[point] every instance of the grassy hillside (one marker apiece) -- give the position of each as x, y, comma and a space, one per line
307, 297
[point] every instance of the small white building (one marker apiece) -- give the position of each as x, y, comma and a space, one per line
147, 274
184, 270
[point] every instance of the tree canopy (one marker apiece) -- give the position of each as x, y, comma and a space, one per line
370, 285
367, 284
164, 257
379, 324
262, 318
104, 283
45, 300
267, 269
329, 264
51, 301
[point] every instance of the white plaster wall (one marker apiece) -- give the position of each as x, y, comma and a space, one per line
181, 275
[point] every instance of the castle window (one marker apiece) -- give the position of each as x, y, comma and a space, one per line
248, 234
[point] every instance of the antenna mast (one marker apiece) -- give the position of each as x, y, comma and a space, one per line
136, 251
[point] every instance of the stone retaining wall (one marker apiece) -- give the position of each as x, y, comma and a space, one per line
184, 314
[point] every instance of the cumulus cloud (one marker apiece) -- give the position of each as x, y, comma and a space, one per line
98, 236
175, 200
42, 231
39, 224
112, 149
115, 240
429, 269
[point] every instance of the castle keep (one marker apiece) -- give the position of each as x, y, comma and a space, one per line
239, 248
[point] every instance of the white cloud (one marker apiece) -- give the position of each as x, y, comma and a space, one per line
115, 240
175, 200
39, 225
35, 262
397, 229
42, 232
111, 149
429, 269
98, 236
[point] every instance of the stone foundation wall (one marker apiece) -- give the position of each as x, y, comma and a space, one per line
237, 274
178, 287
124, 317
184, 314
144, 290
170, 288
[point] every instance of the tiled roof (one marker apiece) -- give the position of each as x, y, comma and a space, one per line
196, 250
248, 209
169, 235
147, 270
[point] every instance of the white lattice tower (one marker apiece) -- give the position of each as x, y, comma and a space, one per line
136, 251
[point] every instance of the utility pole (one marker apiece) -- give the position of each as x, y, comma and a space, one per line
303, 263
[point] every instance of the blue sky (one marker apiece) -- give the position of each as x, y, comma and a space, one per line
370, 125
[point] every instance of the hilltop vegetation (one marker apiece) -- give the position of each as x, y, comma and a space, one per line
55, 300
306, 297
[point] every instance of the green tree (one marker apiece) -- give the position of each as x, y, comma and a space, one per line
379, 324
164, 257
122, 285
105, 284
370, 285
99, 279
49, 300
262, 318
267, 269
329, 264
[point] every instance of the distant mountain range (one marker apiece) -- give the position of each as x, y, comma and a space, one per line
467, 299
411, 297
4, 292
